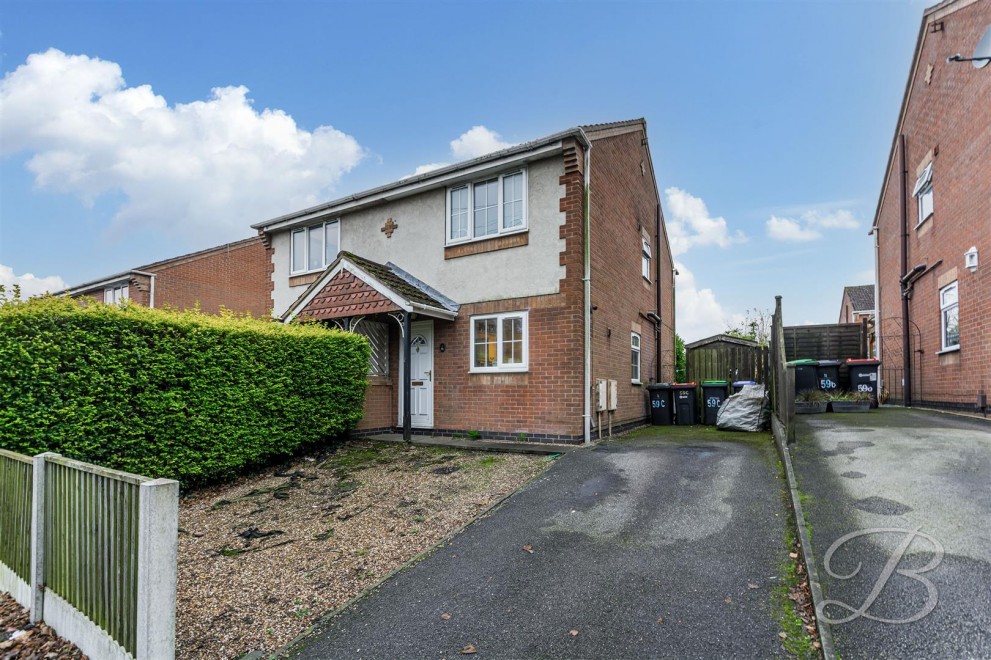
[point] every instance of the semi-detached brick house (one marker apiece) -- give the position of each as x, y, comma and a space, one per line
478, 272
932, 227
234, 275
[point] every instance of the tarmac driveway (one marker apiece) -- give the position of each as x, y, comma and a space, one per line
646, 547
900, 469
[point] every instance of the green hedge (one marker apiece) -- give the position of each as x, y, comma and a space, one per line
167, 394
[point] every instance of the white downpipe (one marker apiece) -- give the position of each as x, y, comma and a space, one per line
587, 279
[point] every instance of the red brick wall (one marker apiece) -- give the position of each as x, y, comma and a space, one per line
237, 277
949, 116
624, 205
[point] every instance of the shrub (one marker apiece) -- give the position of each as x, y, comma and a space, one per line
851, 396
168, 394
812, 396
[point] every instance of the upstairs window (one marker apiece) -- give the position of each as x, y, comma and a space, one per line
923, 192
482, 209
949, 309
314, 248
645, 258
114, 295
635, 357
499, 342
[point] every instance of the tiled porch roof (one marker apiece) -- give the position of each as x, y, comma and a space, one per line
355, 286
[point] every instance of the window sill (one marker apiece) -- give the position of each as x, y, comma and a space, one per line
489, 244
635, 382
498, 371
953, 349
924, 220
302, 279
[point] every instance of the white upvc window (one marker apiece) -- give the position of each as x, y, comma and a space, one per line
490, 207
923, 192
645, 258
499, 342
314, 248
114, 295
949, 309
635, 358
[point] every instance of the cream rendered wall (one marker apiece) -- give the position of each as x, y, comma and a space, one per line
417, 245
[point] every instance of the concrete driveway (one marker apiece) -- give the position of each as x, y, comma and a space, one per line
646, 547
900, 469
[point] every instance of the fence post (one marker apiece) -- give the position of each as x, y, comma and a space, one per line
158, 545
38, 524
789, 402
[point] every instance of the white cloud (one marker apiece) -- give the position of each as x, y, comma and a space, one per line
811, 221
838, 219
429, 167
698, 314
786, 229
31, 285
205, 169
689, 224
477, 141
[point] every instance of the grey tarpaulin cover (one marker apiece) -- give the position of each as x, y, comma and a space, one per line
744, 411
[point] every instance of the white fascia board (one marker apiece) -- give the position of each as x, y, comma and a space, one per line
412, 188
113, 279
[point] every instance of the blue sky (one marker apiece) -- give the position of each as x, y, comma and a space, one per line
770, 124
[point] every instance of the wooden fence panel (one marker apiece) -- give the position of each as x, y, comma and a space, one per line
837, 341
92, 544
16, 483
726, 362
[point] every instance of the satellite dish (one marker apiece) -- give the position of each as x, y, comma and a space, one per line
982, 54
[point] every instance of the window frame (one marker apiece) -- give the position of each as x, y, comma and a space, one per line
645, 257
923, 189
305, 231
500, 221
500, 367
109, 297
636, 343
943, 309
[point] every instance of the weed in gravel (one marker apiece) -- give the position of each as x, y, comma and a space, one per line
323, 536
487, 461
790, 598
474, 435
418, 518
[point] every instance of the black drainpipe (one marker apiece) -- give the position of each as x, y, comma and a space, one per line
906, 338
659, 325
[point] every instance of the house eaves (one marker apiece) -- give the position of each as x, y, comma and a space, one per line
934, 13
101, 283
527, 151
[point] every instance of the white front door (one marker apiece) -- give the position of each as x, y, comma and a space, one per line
422, 374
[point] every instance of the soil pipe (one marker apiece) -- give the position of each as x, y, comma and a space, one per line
658, 325
906, 337
407, 379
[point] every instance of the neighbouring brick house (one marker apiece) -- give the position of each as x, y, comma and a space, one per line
857, 306
477, 271
933, 220
234, 275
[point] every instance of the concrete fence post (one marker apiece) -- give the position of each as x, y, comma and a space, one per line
158, 546
38, 525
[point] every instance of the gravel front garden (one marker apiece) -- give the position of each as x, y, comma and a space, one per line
262, 558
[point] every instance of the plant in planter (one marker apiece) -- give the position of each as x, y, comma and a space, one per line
811, 401
851, 402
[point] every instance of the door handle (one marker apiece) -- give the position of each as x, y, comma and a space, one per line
430, 375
